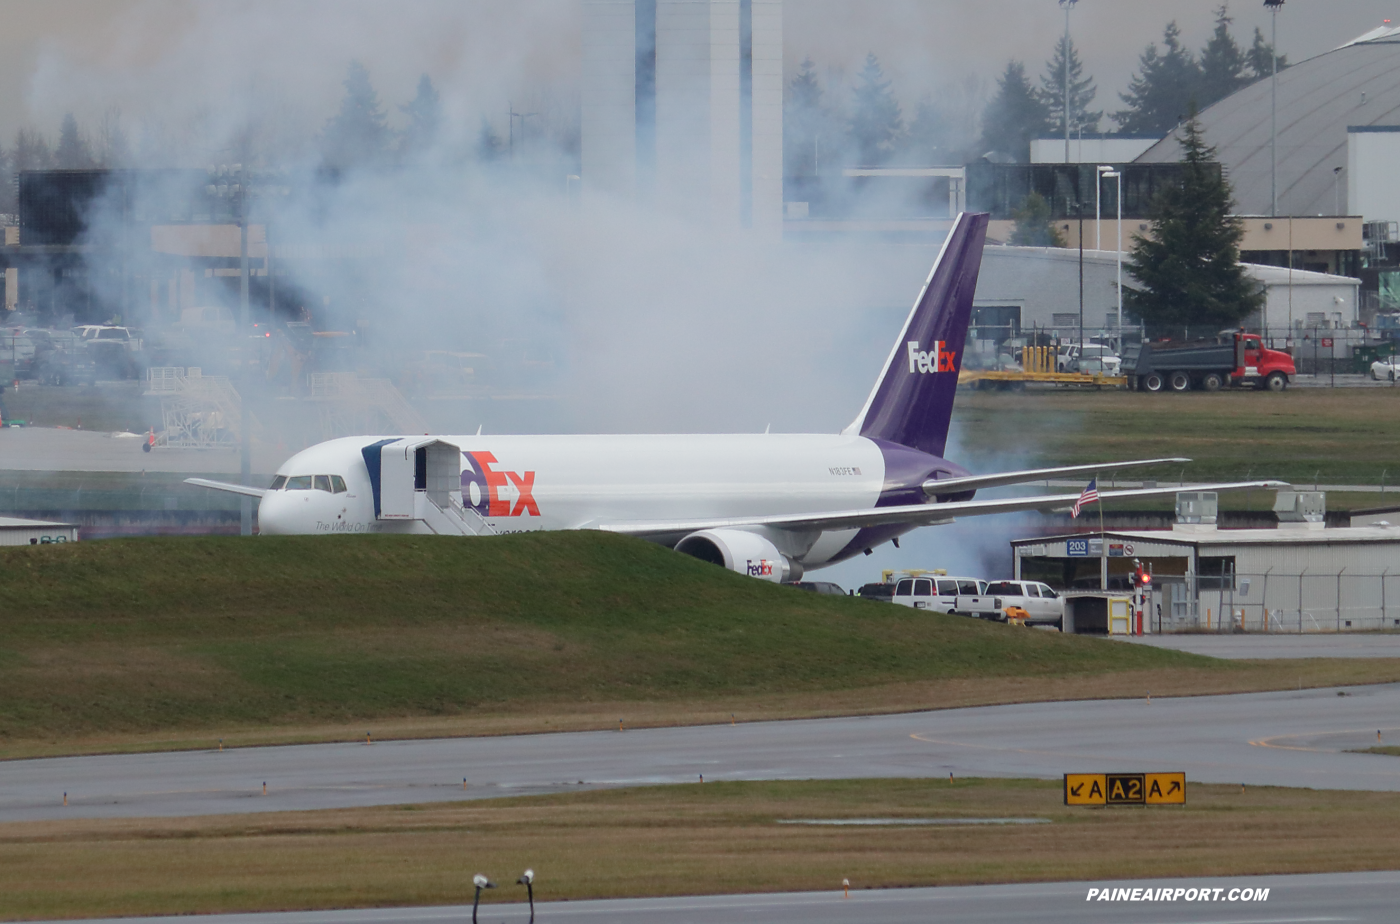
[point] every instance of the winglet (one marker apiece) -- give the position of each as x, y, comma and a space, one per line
912, 402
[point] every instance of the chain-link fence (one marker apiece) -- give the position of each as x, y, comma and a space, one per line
1274, 602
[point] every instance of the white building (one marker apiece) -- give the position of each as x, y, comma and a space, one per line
683, 107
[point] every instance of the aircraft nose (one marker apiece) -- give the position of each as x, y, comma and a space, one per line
273, 515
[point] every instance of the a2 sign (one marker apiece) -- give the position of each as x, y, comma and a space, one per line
1125, 789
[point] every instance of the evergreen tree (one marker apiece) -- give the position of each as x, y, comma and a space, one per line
1033, 225
113, 148
808, 127
927, 139
1015, 116
31, 152
1189, 269
1261, 57
358, 135
876, 124
489, 145
1081, 91
1163, 90
73, 152
1224, 65
424, 120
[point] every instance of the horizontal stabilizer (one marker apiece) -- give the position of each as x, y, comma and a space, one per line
912, 515
248, 490
946, 486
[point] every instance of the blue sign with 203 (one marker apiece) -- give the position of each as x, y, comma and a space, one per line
1077, 548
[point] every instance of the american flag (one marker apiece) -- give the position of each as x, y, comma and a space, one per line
1090, 496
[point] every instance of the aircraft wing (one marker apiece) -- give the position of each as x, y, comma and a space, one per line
225, 486
911, 514
936, 486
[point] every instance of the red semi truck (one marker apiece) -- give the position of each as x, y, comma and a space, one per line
1236, 358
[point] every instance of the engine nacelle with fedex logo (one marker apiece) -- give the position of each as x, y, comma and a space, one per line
742, 551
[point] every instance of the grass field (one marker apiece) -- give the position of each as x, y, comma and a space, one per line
1337, 436
695, 839
172, 642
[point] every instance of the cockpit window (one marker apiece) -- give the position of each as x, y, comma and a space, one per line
338, 485
323, 483
299, 483
278, 482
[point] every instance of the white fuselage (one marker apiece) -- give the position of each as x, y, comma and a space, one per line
581, 482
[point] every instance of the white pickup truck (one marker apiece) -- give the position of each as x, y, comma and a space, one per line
1042, 605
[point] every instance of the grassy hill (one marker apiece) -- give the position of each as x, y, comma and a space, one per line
142, 635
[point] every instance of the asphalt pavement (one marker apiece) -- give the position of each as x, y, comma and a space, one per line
1337, 897
1301, 738
1236, 647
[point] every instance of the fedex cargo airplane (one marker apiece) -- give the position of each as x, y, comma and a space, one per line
767, 505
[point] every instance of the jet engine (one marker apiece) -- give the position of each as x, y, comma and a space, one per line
741, 551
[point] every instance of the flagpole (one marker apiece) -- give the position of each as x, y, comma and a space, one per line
1103, 541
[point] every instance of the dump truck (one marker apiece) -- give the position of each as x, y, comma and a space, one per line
1234, 359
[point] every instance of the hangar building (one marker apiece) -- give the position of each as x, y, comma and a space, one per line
1299, 577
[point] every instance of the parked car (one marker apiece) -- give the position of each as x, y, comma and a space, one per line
1042, 605
937, 594
1383, 370
882, 592
1089, 358
819, 587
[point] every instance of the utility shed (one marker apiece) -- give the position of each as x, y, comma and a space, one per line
15, 531
1299, 577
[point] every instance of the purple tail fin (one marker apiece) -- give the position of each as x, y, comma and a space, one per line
912, 403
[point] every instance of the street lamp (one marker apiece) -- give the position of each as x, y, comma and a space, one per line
1069, 5
1108, 173
1273, 6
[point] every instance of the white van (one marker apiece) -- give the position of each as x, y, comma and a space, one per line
937, 594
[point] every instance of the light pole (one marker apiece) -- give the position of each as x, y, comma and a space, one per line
1273, 6
1337, 187
1098, 208
1069, 5
1108, 173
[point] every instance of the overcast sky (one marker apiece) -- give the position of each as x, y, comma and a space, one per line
164, 59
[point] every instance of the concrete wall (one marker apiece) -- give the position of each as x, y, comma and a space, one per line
768, 117
609, 105
1372, 184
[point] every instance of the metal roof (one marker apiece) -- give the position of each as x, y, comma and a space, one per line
1318, 99
17, 523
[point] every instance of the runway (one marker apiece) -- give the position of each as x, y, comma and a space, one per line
1338, 897
1235, 647
1296, 739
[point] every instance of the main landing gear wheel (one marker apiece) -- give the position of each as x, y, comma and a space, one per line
1180, 381
1152, 382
